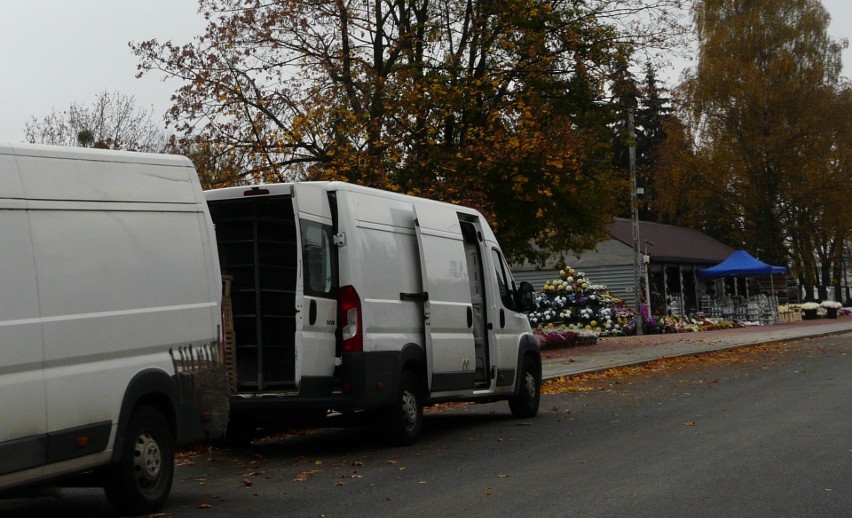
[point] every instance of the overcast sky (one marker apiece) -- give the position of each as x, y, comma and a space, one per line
55, 52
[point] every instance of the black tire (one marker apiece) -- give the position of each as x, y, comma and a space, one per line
140, 483
524, 403
404, 420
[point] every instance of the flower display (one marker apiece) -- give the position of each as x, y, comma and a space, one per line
830, 304
809, 306
571, 310
576, 304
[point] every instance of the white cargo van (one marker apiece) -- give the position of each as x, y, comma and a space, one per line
353, 299
110, 321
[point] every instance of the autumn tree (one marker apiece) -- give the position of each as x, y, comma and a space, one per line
112, 121
496, 104
817, 214
756, 101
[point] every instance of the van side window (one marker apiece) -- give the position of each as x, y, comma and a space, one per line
320, 270
504, 279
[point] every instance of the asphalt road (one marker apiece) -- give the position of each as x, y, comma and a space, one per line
746, 433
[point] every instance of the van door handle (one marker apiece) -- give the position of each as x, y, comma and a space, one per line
415, 297
312, 313
502, 319
469, 316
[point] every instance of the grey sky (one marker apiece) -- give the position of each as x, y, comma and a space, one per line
55, 52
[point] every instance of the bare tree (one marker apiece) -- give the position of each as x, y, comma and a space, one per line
112, 121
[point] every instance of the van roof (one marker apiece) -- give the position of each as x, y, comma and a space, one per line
286, 189
226, 193
90, 154
54, 173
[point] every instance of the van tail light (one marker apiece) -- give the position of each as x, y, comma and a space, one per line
349, 318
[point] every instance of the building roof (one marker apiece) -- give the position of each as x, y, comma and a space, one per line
668, 243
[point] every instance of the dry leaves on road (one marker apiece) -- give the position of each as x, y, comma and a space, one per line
595, 380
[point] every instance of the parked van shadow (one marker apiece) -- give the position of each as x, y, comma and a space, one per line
76, 502
438, 427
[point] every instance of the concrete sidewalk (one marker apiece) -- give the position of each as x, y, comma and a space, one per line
631, 350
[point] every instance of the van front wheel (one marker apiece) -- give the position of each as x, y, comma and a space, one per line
142, 480
404, 420
524, 404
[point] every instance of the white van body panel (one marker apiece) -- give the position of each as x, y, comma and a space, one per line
110, 277
22, 391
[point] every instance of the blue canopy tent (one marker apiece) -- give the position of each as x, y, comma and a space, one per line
742, 263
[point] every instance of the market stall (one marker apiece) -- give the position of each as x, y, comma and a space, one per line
760, 307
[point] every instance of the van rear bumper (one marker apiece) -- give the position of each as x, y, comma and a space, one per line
364, 380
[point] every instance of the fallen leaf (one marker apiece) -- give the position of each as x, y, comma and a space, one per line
689, 423
305, 475
204, 506
247, 482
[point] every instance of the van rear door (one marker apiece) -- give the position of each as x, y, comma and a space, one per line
316, 299
258, 240
447, 308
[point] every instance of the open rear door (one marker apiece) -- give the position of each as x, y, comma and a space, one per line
316, 300
447, 310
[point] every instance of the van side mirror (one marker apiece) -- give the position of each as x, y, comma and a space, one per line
525, 297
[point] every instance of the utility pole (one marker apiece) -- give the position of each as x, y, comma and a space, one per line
646, 259
634, 204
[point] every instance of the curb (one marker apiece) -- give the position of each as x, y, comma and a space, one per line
653, 357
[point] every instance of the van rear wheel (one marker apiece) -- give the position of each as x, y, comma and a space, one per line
142, 480
404, 420
525, 402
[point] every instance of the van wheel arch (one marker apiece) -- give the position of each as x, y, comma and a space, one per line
412, 357
528, 347
150, 387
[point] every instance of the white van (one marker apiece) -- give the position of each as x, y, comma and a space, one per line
347, 298
110, 315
